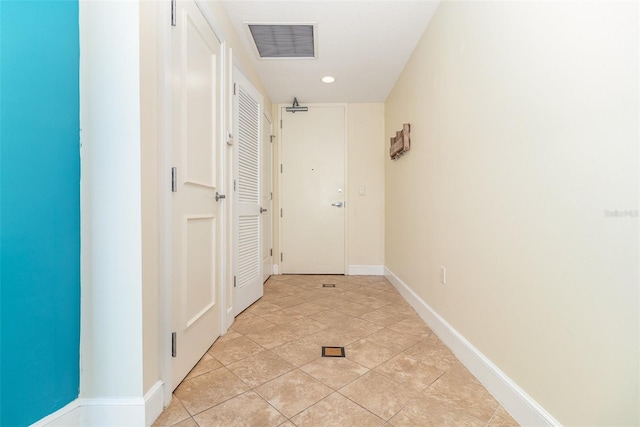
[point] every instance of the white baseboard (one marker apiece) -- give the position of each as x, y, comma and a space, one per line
125, 412
229, 319
153, 403
516, 401
366, 270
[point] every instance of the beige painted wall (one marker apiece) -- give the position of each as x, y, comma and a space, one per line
149, 150
524, 134
365, 167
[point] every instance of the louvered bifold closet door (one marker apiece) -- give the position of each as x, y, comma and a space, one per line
247, 119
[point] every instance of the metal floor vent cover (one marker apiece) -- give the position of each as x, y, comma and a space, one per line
284, 40
328, 285
332, 351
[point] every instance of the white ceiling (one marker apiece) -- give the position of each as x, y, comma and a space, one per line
364, 44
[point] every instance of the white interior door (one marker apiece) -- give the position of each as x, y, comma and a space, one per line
266, 198
312, 191
247, 116
196, 156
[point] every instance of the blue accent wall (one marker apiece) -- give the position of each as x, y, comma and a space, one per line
39, 209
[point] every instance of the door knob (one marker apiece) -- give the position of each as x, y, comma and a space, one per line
337, 204
262, 210
220, 196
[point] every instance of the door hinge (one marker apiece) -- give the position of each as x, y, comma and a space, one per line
270, 196
281, 168
234, 281
234, 185
270, 252
235, 85
173, 13
280, 124
174, 344
280, 212
281, 257
271, 138
174, 180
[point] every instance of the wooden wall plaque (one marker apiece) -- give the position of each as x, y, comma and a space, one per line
401, 143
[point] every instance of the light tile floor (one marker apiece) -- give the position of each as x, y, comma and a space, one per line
268, 370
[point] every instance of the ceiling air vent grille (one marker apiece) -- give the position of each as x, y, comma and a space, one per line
284, 41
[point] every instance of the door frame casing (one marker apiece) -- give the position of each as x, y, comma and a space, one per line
268, 119
281, 107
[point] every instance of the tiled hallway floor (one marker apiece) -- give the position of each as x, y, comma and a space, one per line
268, 370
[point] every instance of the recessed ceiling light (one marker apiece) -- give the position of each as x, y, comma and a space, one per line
328, 79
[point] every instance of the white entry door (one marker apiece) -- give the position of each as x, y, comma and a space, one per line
196, 215
312, 191
247, 119
266, 198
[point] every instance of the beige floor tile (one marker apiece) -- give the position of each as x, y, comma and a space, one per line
334, 371
361, 327
233, 350
395, 341
502, 418
378, 394
204, 391
308, 308
373, 302
409, 372
336, 410
330, 302
260, 368
299, 352
172, 415
189, 422
348, 286
318, 293
412, 325
281, 317
381, 317
230, 335
393, 368
393, 297
288, 301
353, 296
250, 324
275, 336
354, 309
293, 392
433, 352
207, 364
306, 326
332, 318
368, 354
262, 307
245, 314
399, 308
334, 336
246, 410
428, 411
370, 291
464, 392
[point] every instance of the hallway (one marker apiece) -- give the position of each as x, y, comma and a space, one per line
268, 370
